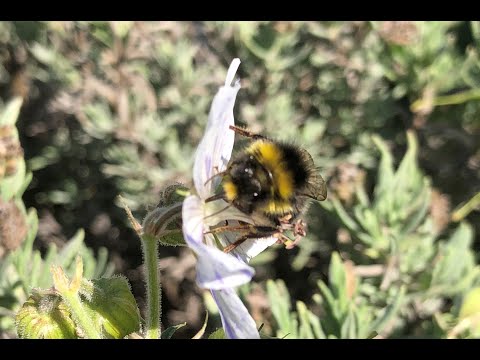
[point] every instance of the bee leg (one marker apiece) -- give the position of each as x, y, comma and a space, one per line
246, 227
246, 133
254, 231
234, 245
285, 240
291, 244
252, 235
299, 230
282, 239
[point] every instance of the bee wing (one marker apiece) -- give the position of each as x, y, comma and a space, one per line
316, 187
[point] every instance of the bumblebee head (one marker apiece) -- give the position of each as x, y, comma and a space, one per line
245, 183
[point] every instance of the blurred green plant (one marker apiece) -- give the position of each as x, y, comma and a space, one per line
137, 89
396, 231
462, 211
429, 60
396, 220
122, 104
80, 308
21, 267
346, 312
25, 269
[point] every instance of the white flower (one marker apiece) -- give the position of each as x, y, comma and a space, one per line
218, 271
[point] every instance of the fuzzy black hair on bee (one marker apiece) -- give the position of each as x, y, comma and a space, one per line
271, 181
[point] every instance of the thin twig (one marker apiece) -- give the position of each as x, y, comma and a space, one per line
135, 224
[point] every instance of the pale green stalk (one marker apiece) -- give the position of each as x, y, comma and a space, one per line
152, 282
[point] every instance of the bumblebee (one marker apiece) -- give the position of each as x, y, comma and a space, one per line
272, 182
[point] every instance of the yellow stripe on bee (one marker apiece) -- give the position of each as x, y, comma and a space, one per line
275, 207
270, 156
230, 190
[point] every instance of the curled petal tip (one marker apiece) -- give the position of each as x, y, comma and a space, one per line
232, 71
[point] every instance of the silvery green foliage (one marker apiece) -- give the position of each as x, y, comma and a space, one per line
138, 89
24, 268
352, 308
38, 313
328, 85
396, 226
420, 267
396, 220
346, 312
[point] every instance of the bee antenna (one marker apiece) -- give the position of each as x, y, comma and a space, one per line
214, 197
219, 211
245, 132
213, 176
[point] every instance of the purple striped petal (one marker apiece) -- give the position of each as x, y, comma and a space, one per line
237, 322
215, 148
215, 269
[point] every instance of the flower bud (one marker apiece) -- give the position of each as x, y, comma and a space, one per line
172, 194
164, 223
44, 316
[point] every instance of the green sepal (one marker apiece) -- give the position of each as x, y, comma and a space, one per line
112, 306
217, 334
168, 333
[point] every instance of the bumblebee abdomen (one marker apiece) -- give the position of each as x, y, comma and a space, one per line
271, 156
299, 166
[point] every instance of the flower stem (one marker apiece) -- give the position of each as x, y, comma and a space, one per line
80, 316
462, 212
152, 281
